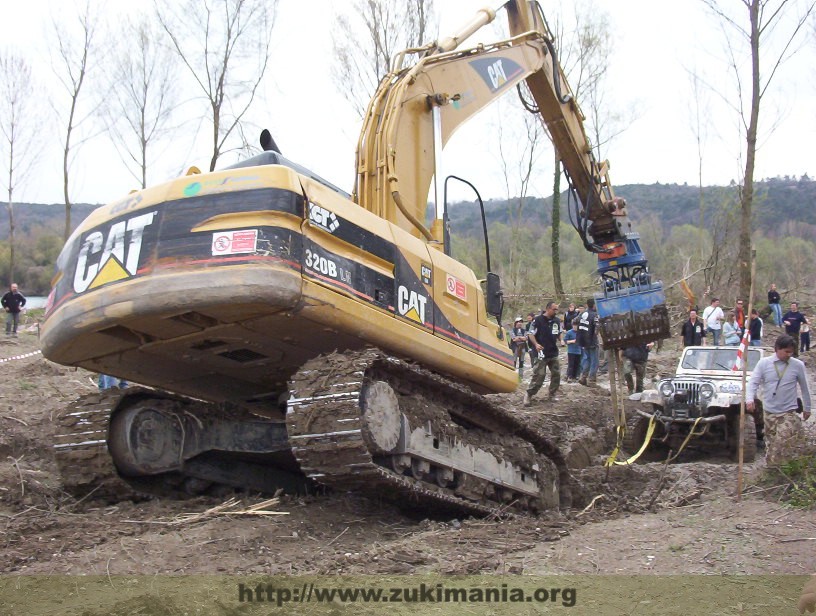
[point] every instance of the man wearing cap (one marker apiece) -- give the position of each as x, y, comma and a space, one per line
518, 344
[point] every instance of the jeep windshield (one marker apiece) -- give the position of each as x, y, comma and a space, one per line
717, 359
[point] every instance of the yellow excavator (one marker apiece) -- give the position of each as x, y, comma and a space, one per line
288, 332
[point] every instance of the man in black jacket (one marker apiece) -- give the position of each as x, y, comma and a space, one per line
793, 320
588, 339
693, 331
13, 301
545, 336
776, 307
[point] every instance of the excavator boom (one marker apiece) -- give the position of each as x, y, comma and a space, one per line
417, 109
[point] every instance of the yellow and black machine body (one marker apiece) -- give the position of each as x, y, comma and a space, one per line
283, 328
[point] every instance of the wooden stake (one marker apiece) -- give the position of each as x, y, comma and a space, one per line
741, 432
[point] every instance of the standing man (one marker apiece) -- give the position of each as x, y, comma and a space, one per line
693, 331
573, 351
588, 339
635, 358
713, 318
530, 348
569, 316
793, 320
545, 336
755, 328
518, 344
779, 374
13, 301
776, 307
739, 313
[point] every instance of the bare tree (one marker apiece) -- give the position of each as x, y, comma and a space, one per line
519, 165
366, 39
224, 44
766, 25
71, 68
141, 93
20, 128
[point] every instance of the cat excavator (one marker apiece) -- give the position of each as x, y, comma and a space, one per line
286, 332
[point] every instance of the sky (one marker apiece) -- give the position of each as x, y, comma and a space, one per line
656, 44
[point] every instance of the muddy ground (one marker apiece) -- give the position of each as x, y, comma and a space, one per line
644, 520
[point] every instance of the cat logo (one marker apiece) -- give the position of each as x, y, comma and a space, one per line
411, 304
323, 218
118, 253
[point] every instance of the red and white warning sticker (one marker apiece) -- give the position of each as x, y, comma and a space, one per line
455, 287
234, 242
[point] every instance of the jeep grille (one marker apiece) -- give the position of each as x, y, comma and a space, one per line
691, 389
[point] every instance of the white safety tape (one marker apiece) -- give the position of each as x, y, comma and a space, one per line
32, 354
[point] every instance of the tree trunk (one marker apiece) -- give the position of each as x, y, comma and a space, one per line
67, 231
747, 196
11, 238
556, 230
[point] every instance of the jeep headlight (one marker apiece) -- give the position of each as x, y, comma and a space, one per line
706, 391
730, 388
666, 388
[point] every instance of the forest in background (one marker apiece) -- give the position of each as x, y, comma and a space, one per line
685, 233
679, 239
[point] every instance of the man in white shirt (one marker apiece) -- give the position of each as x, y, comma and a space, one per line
713, 318
780, 374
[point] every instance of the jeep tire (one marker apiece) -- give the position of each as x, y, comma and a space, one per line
636, 428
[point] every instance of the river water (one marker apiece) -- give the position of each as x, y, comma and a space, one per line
36, 301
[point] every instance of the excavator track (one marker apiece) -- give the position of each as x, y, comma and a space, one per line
334, 445
81, 450
82, 447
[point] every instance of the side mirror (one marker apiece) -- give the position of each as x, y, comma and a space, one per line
494, 298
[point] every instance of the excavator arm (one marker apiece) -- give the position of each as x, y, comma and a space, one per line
418, 107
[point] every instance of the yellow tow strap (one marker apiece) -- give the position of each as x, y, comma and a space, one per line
613, 457
688, 438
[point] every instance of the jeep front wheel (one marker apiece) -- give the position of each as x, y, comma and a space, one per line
636, 429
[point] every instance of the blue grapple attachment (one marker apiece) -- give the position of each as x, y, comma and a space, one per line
631, 308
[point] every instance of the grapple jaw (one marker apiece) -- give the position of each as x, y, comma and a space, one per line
632, 308
633, 316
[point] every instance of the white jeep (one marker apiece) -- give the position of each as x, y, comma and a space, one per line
704, 395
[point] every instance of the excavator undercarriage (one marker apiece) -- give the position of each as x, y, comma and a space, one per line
359, 421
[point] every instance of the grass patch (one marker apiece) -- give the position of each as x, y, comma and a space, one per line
797, 481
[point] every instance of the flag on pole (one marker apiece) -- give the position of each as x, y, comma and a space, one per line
741, 350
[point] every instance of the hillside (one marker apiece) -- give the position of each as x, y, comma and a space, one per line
777, 199
784, 207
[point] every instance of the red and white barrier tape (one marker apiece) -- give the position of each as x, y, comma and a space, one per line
23, 356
